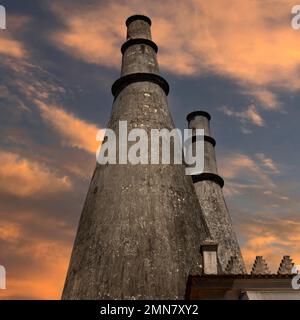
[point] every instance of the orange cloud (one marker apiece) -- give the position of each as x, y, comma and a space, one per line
267, 98
267, 162
92, 36
36, 264
250, 176
44, 277
23, 177
240, 165
47, 281
272, 239
12, 48
74, 131
9, 45
250, 115
251, 41
9, 231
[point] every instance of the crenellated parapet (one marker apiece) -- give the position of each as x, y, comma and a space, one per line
260, 266
286, 265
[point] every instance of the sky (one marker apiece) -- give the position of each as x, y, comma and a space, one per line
238, 60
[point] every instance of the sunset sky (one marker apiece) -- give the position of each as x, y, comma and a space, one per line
237, 59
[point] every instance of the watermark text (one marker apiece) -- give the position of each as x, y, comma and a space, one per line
2, 277
295, 22
2, 17
153, 146
296, 278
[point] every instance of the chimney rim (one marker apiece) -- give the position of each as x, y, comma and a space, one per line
138, 17
193, 114
209, 245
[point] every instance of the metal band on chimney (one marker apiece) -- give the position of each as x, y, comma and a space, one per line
126, 80
206, 138
134, 41
138, 17
193, 114
208, 176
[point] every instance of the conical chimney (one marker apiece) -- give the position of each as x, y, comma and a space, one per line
141, 226
208, 185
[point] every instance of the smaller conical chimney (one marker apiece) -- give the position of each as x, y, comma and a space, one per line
208, 185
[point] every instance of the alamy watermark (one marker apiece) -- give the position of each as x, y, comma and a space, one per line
2, 277
153, 146
295, 22
2, 17
296, 278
